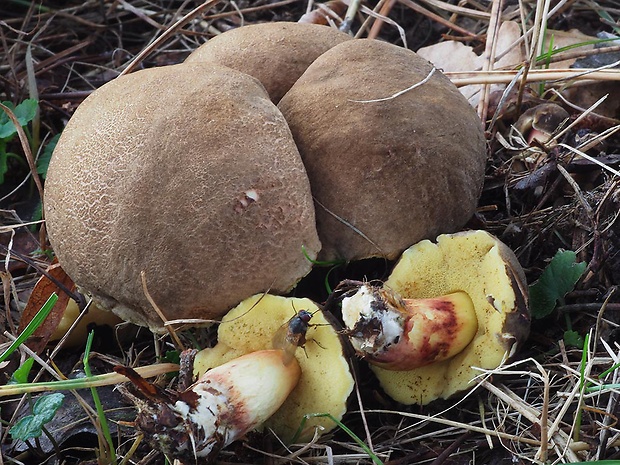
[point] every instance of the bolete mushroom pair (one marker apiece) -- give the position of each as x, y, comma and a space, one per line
190, 173
449, 310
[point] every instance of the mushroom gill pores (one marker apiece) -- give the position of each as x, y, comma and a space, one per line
474, 263
190, 174
389, 164
326, 381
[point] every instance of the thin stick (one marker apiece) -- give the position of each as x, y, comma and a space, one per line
400, 92
166, 35
435, 17
465, 78
489, 55
378, 24
170, 329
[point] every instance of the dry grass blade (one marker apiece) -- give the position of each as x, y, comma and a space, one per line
168, 33
556, 403
435, 17
556, 75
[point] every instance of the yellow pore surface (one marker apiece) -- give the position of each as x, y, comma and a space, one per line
326, 381
472, 262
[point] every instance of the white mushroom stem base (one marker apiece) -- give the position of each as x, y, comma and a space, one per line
223, 405
403, 334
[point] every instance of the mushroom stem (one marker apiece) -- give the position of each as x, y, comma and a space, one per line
403, 334
224, 404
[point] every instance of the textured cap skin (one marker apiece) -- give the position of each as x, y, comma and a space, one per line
274, 53
394, 172
188, 172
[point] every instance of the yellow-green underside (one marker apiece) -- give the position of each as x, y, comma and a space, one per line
326, 381
469, 262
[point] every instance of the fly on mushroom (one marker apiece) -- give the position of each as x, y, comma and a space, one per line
292, 334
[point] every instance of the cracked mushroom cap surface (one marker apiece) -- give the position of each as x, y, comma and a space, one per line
385, 173
326, 381
488, 271
190, 174
275, 53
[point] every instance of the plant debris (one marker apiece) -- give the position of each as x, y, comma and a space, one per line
557, 402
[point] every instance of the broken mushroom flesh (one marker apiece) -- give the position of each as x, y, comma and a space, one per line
190, 174
402, 334
275, 53
326, 381
390, 163
479, 265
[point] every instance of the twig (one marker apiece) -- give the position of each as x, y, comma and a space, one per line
166, 35
161, 315
489, 55
400, 92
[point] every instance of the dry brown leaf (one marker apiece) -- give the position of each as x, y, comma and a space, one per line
456, 56
41, 292
324, 11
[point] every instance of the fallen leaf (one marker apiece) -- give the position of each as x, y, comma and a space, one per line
325, 11
456, 56
41, 292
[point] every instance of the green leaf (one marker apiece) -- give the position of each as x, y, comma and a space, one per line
47, 405
573, 339
20, 376
31, 426
4, 165
24, 112
44, 160
598, 462
172, 356
558, 279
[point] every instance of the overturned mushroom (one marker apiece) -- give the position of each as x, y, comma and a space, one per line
541, 122
223, 405
472, 314
395, 154
263, 321
274, 53
190, 174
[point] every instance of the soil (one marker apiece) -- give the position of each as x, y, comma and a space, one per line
537, 198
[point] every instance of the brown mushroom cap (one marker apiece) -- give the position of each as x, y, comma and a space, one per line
488, 271
384, 174
274, 53
188, 172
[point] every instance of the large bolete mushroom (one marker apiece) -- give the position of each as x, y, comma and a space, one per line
261, 322
190, 174
388, 166
274, 53
447, 309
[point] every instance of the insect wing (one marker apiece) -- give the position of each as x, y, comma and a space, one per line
286, 341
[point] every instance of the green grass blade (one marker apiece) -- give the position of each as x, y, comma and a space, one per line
582, 382
100, 412
344, 428
31, 327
